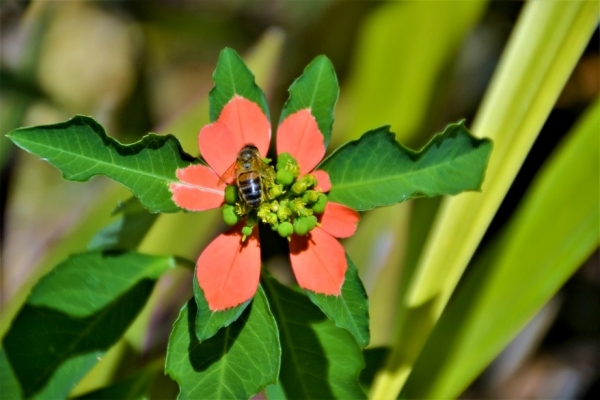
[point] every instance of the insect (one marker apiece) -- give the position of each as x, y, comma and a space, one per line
251, 174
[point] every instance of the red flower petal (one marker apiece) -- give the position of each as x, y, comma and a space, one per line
228, 270
200, 188
323, 179
247, 123
339, 221
218, 147
319, 262
300, 136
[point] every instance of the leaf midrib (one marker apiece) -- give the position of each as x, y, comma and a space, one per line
79, 155
345, 186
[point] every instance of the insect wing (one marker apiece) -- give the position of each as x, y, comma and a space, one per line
229, 176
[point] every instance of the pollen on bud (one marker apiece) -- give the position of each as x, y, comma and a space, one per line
285, 229
229, 215
299, 188
276, 191
284, 212
231, 194
311, 196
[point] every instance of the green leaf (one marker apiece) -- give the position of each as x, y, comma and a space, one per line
81, 149
232, 77
317, 88
319, 360
132, 388
550, 235
74, 314
209, 322
9, 385
376, 171
350, 310
127, 232
237, 363
375, 358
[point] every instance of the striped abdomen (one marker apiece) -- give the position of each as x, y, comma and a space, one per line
249, 187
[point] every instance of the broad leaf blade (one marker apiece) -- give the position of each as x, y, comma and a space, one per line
74, 314
127, 231
376, 171
209, 322
317, 89
80, 149
319, 360
237, 363
232, 77
350, 310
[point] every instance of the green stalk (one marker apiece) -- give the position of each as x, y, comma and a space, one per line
544, 48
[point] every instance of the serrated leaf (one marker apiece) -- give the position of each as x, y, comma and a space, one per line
80, 149
74, 314
127, 232
317, 88
237, 363
209, 322
232, 77
376, 171
319, 360
350, 310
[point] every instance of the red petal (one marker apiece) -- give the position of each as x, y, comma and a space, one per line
300, 136
319, 262
323, 179
228, 270
247, 123
218, 147
200, 188
339, 221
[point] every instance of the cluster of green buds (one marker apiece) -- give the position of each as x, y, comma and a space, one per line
290, 203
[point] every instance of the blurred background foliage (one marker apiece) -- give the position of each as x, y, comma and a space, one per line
146, 66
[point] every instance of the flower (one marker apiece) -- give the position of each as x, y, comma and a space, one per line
228, 270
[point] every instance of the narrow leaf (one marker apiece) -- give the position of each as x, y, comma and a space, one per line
237, 363
316, 89
74, 314
548, 238
350, 310
232, 77
376, 171
319, 360
80, 149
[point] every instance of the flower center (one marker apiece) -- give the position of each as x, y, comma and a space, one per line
288, 203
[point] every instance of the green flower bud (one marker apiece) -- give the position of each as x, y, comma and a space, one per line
319, 206
311, 222
284, 177
301, 227
229, 216
246, 231
285, 229
231, 194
